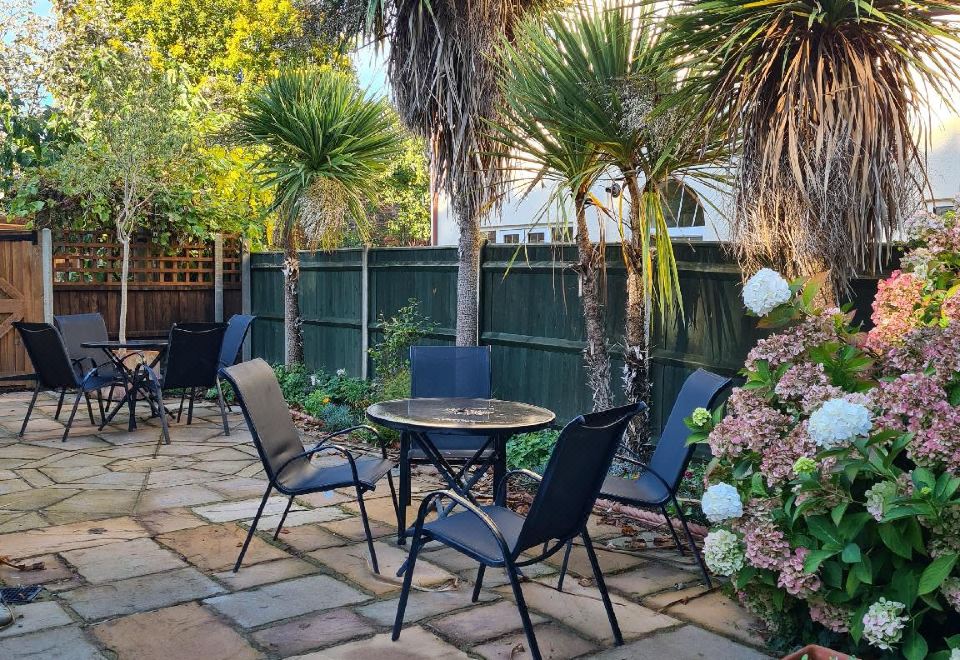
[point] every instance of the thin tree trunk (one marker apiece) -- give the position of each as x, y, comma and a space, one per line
292, 321
124, 274
596, 355
468, 283
636, 353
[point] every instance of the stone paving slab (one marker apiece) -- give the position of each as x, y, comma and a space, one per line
119, 561
354, 563
482, 623
36, 616
313, 631
423, 605
554, 642
140, 594
69, 537
54, 570
216, 547
284, 600
265, 573
183, 631
686, 643
414, 644
67, 643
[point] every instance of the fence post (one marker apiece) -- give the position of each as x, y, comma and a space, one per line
245, 304
46, 268
218, 278
364, 310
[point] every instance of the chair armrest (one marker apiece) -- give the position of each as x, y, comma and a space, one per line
322, 446
466, 504
646, 468
502, 486
365, 427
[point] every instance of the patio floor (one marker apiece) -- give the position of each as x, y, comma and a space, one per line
136, 542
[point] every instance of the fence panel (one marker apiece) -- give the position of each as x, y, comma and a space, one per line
21, 298
530, 314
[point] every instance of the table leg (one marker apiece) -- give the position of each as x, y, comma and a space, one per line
499, 469
405, 494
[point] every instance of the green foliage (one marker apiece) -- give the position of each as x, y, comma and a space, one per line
392, 355
295, 383
401, 213
335, 416
531, 450
322, 144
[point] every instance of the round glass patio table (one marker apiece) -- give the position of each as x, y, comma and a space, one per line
111, 348
492, 419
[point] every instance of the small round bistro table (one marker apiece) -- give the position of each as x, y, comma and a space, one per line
492, 419
111, 349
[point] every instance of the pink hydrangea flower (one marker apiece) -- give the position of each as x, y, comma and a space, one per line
794, 579
831, 617
894, 309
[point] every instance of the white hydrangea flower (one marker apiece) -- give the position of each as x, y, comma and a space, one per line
341, 372
722, 552
839, 421
765, 291
955, 654
721, 502
883, 623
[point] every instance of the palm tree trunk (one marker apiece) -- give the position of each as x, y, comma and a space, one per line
468, 282
292, 321
596, 355
636, 351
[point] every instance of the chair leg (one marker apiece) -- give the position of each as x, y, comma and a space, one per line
86, 395
366, 530
404, 500
478, 583
673, 532
219, 387
253, 528
73, 413
524, 614
33, 400
183, 396
193, 393
100, 404
63, 393
223, 409
153, 390
563, 564
283, 518
407, 582
693, 545
602, 586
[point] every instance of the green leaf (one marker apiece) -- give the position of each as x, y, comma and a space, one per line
851, 553
936, 572
836, 514
893, 538
904, 584
914, 645
822, 528
817, 557
864, 569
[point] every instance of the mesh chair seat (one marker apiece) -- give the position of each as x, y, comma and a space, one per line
309, 478
97, 380
645, 489
467, 533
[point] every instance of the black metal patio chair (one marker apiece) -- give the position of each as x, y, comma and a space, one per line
190, 362
77, 329
657, 484
56, 371
287, 463
495, 536
237, 328
449, 371
202, 327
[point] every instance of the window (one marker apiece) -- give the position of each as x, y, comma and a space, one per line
491, 237
681, 207
511, 237
561, 235
536, 237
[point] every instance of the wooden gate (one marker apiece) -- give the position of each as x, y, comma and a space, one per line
21, 298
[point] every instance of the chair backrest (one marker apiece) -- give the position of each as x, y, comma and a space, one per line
49, 355
268, 417
450, 371
79, 328
672, 455
193, 353
237, 328
574, 475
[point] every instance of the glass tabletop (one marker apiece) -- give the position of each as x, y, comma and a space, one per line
148, 344
454, 415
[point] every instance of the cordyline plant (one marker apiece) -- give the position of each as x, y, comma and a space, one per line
836, 478
322, 142
822, 99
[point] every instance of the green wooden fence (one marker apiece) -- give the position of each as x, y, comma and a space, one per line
529, 313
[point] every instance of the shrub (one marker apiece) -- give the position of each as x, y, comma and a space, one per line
392, 355
531, 450
295, 382
843, 453
336, 417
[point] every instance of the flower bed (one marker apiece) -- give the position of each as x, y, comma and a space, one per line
834, 487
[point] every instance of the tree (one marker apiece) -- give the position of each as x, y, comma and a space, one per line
324, 143
443, 72
822, 99
133, 129
557, 155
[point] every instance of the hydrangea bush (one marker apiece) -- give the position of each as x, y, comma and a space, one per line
834, 485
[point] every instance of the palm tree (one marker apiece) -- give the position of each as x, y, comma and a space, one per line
322, 143
821, 96
571, 165
608, 67
443, 72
